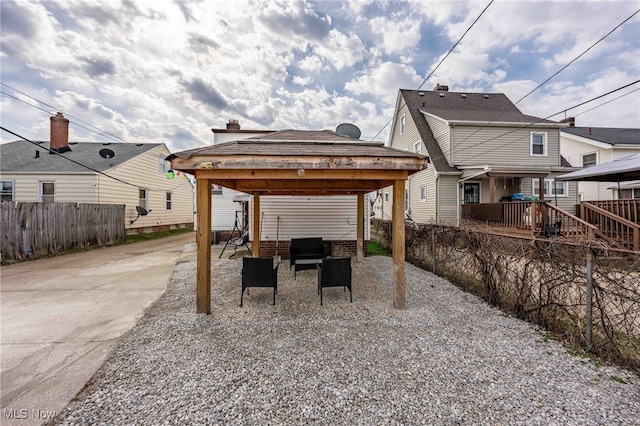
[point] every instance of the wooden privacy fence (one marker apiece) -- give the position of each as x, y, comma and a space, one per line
41, 229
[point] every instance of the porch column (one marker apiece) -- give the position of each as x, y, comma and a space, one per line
256, 225
360, 229
203, 242
492, 189
541, 191
397, 245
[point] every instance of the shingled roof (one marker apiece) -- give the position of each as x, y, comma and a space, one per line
611, 136
21, 157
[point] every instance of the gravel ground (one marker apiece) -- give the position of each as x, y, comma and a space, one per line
448, 359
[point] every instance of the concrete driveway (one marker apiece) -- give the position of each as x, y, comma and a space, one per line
60, 318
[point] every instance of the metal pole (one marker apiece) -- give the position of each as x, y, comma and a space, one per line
588, 298
433, 247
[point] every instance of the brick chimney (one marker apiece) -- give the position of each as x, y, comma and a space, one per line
233, 125
570, 120
59, 141
440, 88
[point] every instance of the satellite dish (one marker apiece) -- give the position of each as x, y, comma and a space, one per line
141, 212
108, 154
348, 129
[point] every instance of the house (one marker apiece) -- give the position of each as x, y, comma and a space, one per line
483, 150
283, 217
101, 173
590, 146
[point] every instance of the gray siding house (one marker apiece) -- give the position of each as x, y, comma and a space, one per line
482, 148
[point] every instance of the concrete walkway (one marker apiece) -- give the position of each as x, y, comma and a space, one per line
60, 318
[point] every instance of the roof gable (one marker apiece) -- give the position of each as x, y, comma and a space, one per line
21, 157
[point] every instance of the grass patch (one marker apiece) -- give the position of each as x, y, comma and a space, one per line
137, 238
375, 249
619, 380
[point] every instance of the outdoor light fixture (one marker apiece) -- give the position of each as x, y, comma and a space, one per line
300, 171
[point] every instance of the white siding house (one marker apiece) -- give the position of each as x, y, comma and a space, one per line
590, 146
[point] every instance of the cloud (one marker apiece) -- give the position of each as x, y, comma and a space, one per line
99, 67
341, 50
398, 36
205, 93
384, 81
294, 18
201, 43
302, 81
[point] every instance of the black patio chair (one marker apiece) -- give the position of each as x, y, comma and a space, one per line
335, 272
259, 272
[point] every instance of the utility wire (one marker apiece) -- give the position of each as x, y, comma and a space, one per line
83, 165
554, 74
395, 114
609, 101
100, 131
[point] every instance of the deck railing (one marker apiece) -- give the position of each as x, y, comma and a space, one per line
612, 226
628, 209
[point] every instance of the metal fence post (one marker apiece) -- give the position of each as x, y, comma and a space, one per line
589, 294
433, 247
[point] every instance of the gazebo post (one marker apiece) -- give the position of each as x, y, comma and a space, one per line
360, 229
256, 225
398, 244
203, 240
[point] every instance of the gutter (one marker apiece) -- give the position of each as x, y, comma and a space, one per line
486, 169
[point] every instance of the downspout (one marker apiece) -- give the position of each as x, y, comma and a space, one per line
487, 169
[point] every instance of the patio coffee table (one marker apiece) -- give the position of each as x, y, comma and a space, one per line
305, 264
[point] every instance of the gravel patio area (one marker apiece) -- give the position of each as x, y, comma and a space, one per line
448, 359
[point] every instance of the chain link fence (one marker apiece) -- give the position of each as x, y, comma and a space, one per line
583, 292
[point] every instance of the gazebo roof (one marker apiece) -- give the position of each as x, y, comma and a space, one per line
300, 162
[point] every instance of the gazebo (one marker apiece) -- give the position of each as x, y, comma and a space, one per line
298, 163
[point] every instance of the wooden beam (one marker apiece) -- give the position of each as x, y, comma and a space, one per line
492, 189
292, 174
256, 226
360, 229
398, 245
203, 241
541, 191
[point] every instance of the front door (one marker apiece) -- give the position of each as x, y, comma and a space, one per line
472, 192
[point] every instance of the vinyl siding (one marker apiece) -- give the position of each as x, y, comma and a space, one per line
423, 211
223, 210
441, 132
447, 213
491, 145
567, 203
329, 217
143, 171
76, 188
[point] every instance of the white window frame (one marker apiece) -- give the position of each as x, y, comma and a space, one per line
143, 201
403, 124
41, 195
407, 204
5, 193
417, 147
549, 187
545, 144
169, 201
163, 164
595, 161
423, 193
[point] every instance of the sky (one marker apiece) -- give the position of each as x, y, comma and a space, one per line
168, 72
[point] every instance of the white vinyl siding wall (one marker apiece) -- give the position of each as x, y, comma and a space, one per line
490, 145
448, 199
329, 217
440, 131
143, 172
77, 188
223, 210
567, 204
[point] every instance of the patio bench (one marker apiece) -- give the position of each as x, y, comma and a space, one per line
304, 253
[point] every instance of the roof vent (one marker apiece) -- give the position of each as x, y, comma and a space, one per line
421, 93
486, 96
463, 95
442, 95
441, 88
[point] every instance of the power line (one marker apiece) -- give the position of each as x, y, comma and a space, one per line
555, 74
100, 131
84, 165
395, 114
609, 101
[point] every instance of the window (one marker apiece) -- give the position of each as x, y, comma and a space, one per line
423, 193
589, 160
538, 143
143, 200
416, 147
386, 197
216, 190
403, 124
47, 192
6, 190
168, 201
406, 199
164, 165
551, 188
